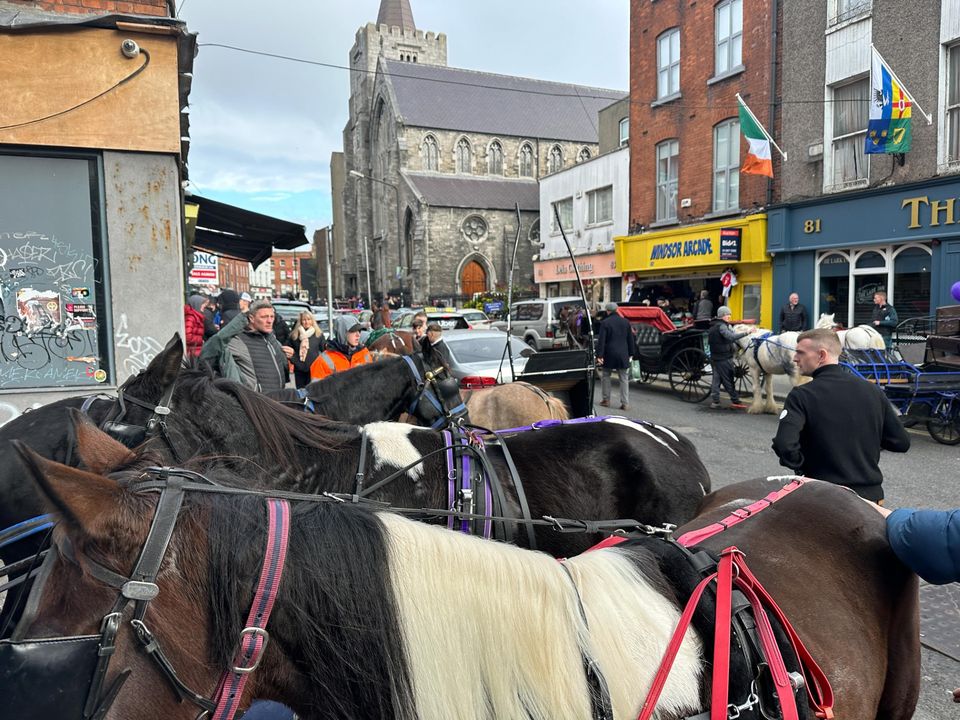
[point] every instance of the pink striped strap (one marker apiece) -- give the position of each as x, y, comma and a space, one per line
254, 637
695, 537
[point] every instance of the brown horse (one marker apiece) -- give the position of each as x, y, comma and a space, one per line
393, 343
516, 404
369, 619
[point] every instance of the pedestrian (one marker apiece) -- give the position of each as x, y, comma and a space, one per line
307, 342
615, 347
245, 301
723, 343
206, 307
793, 315
343, 350
229, 302
703, 313
884, 318
192, 330
834, 427
435, 338
246, 351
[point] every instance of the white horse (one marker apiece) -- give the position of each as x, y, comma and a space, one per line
861, 337
770, 354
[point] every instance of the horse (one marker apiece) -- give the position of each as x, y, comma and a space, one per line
512, 405
767, 354
376, 616
392, 343
612, 467
861, 337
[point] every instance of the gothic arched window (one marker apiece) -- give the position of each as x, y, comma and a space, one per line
464, 159
495, 158
430, 153
555, 160
584, 155
526, 160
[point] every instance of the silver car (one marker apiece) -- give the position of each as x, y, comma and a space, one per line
477, 357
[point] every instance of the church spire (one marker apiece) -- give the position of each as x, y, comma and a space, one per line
396, 13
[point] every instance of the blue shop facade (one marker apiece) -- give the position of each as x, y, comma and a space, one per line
837, 251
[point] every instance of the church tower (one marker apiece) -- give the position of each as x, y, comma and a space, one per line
395, 37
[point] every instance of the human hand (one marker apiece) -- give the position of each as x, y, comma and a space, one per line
599, 361
880, 509
288, 351
876, 322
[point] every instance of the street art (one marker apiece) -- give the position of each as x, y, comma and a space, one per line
48, 312
141, 349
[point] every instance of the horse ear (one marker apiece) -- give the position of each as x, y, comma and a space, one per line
80, 497
166, 365
99, 452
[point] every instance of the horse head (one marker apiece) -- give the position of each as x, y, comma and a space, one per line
826, 321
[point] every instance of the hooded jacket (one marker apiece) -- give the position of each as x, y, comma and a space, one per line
229, 302
339, 355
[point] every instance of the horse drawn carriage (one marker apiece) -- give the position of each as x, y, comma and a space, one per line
926, 393
664, 349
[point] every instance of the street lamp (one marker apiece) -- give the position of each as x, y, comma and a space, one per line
396, 189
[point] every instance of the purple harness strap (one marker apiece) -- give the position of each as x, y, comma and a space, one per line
451, 476
456, 496
542, 424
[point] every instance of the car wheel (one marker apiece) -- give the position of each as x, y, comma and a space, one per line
532, 342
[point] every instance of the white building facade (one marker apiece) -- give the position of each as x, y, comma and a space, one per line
593, 201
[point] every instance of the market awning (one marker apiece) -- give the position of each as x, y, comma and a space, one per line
234, 232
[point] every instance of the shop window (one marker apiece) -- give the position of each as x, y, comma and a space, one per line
911, 282
834, 291
668, 64
667, 179
729, 35
850, 113
751, 302
726, 166
55, 330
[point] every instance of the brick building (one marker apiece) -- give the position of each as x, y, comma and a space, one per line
288, 273
688, 61
435, 159
234, 274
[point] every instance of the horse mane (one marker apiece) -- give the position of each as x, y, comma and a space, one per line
335, 617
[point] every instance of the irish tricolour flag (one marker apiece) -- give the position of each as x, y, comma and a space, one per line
758, 160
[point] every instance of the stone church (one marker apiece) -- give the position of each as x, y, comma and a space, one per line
436, 159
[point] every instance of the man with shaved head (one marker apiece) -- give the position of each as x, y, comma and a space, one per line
834, 427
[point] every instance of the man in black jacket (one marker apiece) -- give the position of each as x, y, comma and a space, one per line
723, 341
615, 347
793, 315
834, 427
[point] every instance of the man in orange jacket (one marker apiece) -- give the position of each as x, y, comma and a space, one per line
343, 349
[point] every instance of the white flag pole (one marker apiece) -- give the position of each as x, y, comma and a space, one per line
760, 125
913, 101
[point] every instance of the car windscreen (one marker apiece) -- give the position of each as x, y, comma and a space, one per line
483, 349
291, 313
449, 322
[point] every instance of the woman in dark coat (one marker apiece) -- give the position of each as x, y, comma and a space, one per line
307, 343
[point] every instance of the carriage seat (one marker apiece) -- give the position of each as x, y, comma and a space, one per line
943, 352
649, 340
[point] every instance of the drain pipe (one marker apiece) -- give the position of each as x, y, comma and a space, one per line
774, 40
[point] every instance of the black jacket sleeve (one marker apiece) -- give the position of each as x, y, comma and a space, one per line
895, 437
804, 320
786, 444
783, 316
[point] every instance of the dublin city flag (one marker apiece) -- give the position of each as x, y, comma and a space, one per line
758, 160
888, 129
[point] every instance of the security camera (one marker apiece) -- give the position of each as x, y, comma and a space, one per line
129, 48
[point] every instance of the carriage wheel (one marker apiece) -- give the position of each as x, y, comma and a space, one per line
945, 430
690, 376
742, 379
645, 377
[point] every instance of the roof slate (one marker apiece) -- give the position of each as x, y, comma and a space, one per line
396, 13
466, 191
447, 98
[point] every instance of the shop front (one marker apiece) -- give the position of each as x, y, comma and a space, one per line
837, 252
601, 279
728, 259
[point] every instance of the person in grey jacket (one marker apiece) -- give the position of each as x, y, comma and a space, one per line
722, 341
246, 351
704, 311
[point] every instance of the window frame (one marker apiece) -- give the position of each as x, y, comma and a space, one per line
495, 158
555, 159
624, 123
430, 143
951, 126
733, 39
591, 210
857, 137
526, 159
464, 143
732, 166
664, 186
554, 230
666, 70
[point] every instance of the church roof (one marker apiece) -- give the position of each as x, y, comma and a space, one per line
448, 98
482, 193
396, 13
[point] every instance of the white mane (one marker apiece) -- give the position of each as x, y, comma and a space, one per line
503, 636
860, 337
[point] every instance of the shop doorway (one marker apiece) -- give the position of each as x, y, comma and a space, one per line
678, 297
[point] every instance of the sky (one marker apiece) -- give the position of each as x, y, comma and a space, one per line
262, 129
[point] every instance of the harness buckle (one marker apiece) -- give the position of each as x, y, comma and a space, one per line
161, 410
258, 654
733, 711
140, 591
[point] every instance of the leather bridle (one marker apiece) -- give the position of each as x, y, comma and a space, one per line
439, 389
133, 435
35, 659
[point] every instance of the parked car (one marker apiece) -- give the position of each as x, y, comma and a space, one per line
477, 319
290, 310
537, 322
477, 358
446, 320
